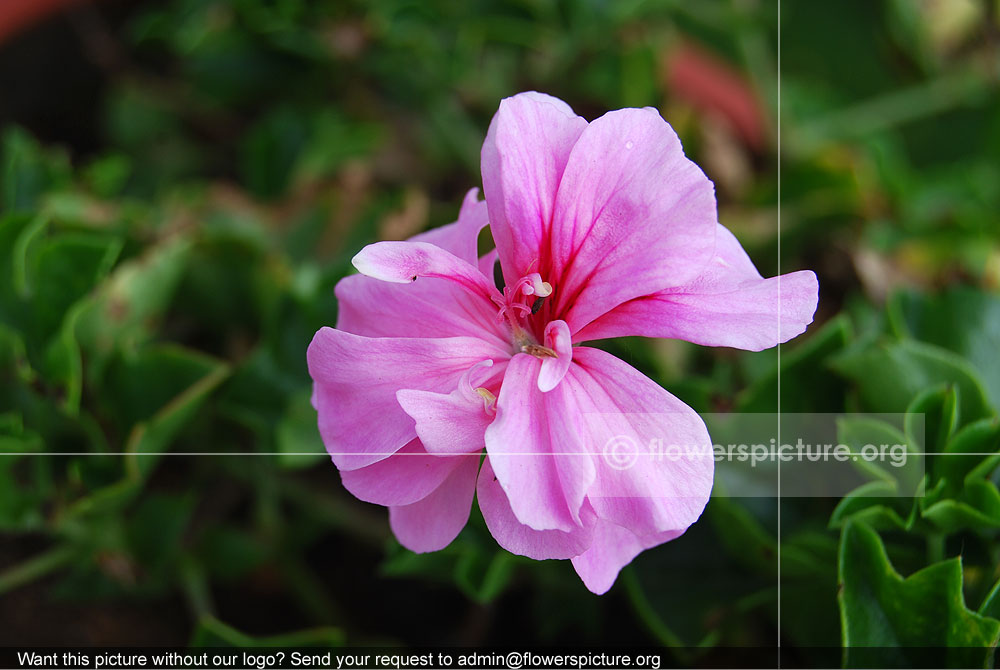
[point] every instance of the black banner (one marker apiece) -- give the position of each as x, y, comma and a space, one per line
465, 658
380, 658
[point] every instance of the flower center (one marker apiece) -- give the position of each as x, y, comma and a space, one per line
517, 304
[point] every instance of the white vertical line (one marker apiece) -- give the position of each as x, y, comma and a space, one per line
778, 326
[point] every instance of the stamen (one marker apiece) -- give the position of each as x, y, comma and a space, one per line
533, 285
512, 305
538, 351
489, 400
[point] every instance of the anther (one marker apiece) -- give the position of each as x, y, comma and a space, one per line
539, 351
489, 400
533, 285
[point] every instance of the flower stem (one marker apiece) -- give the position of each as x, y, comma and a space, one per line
35, 568
195, 585
653, 622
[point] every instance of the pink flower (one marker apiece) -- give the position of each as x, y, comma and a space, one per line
602, 230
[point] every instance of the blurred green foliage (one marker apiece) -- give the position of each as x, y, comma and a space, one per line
156, 300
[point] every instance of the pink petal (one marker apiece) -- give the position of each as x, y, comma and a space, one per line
537, 451
612, 548
656, 462
404, 262
356, 379
520, 539
428, 308
525, 152
454, 423
487, 261
407, 476
462, 237
433, 522
728, 305
632, 216
558, 339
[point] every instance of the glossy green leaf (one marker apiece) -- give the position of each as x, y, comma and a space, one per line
932, 418
991, 603
973, 452
860, 432
878, 504
977, 506
962, 319
889, 374
889, 621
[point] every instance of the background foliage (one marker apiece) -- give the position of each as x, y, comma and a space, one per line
184, 182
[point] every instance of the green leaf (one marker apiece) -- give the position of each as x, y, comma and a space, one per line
110, 498
480, 573
743, 536
889, 374
52, 271
809, 613
107, 175
721, 588
64, 269
877, 504
125, 309
12, 252
138, 385
963, 319
973, 452
156, 527
152, 437
483, 581
28, 236
931, 419
297, 434
991, 603
802, 369
229, 554
28, 171
64, 362
270, 151
889, 621
977, 506
857, 432
21, 497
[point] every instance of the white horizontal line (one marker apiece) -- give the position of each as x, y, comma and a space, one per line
478, 453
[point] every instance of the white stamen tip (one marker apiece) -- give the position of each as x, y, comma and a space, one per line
535, 286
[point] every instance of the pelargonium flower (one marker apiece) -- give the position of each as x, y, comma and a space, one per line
602, 229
